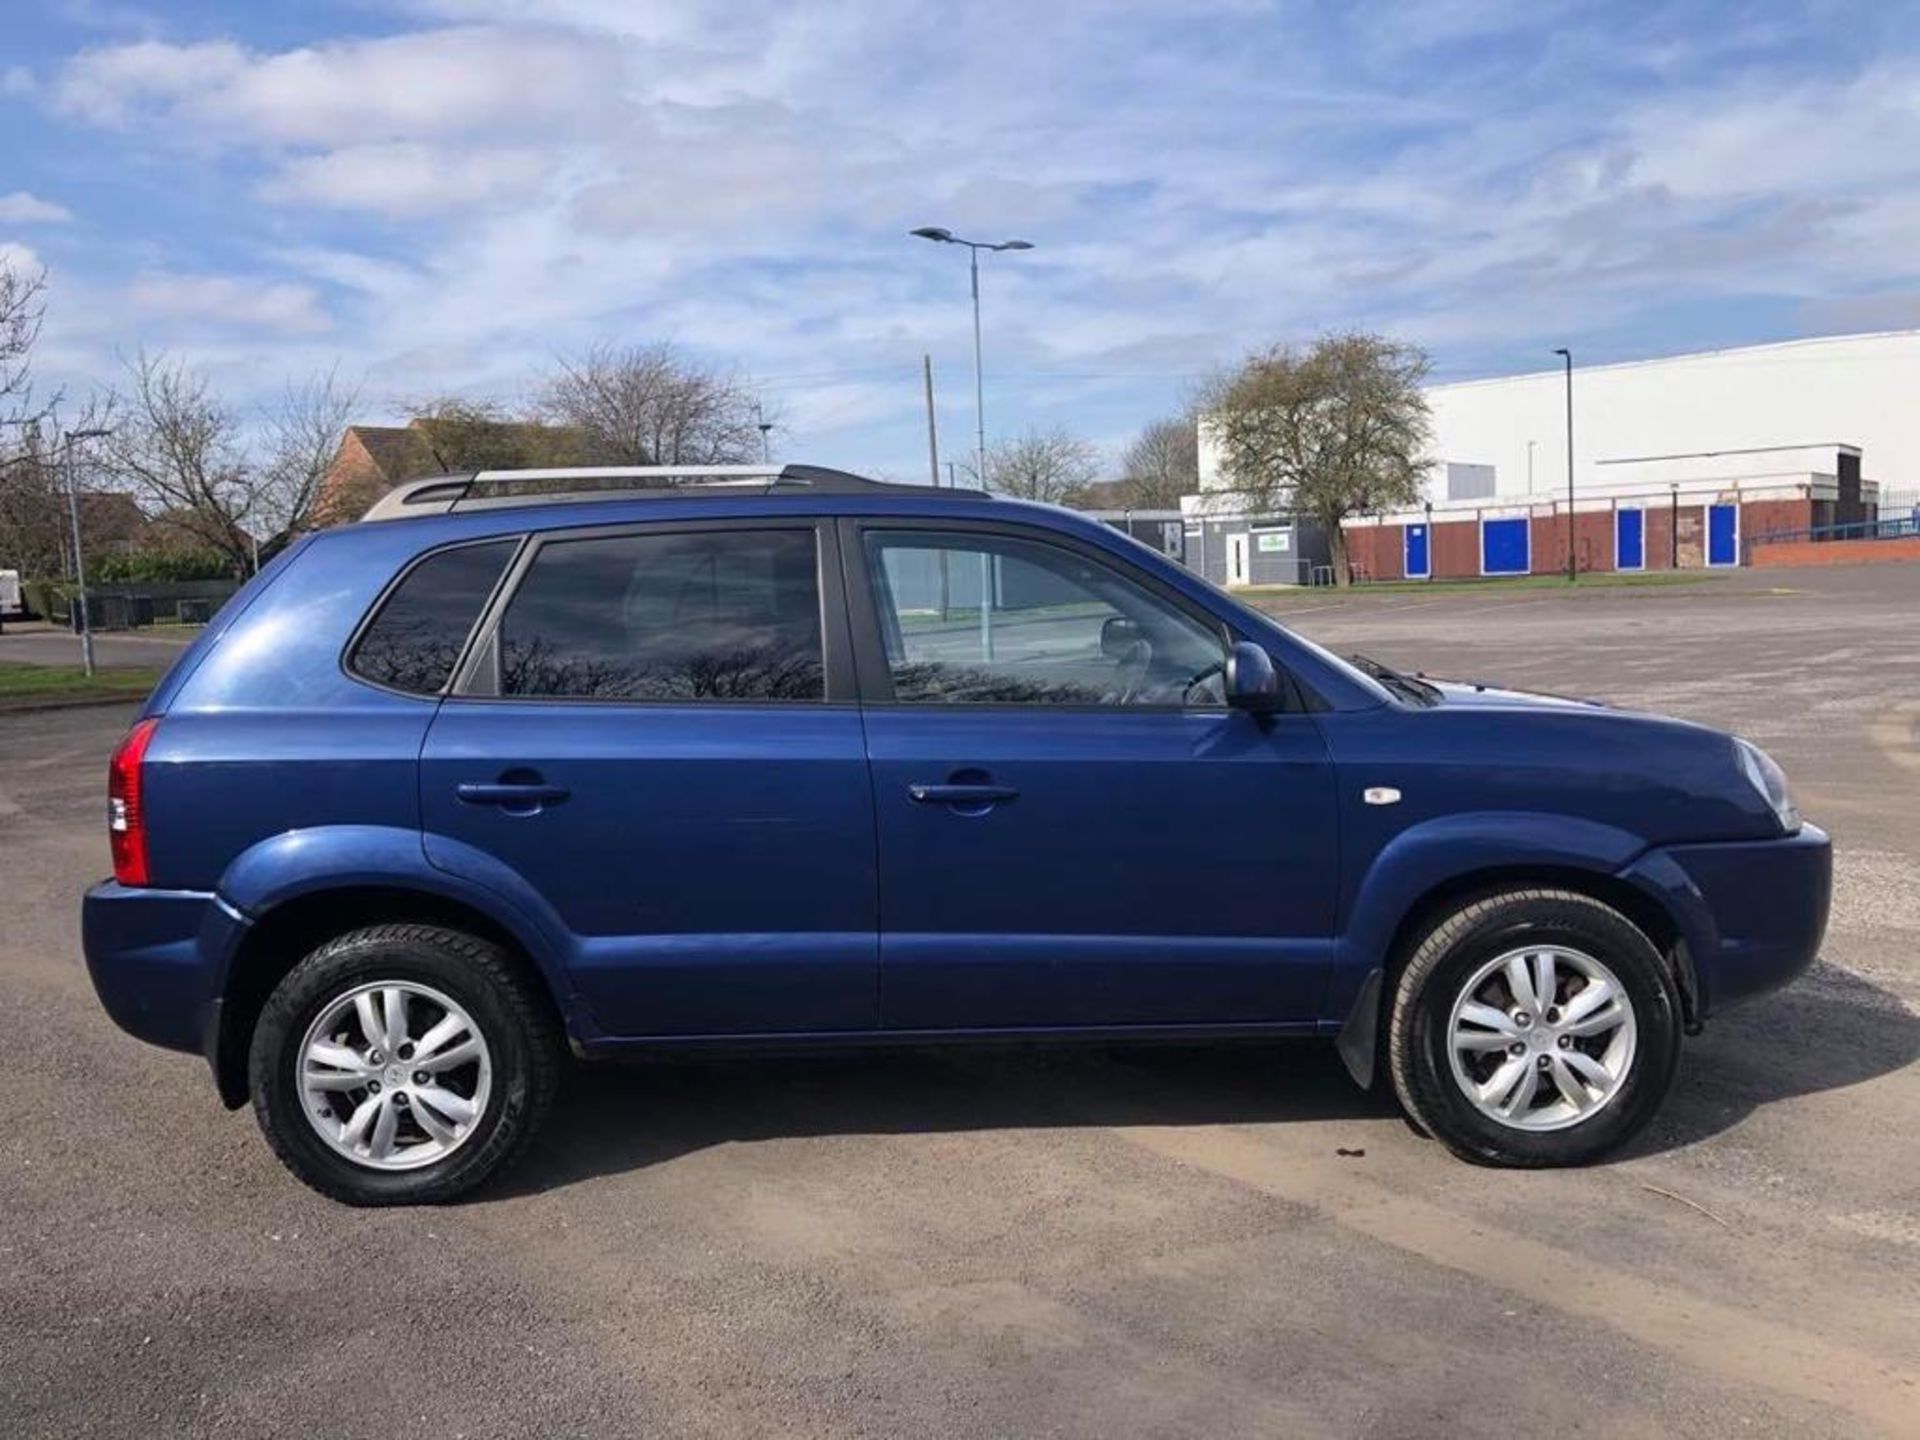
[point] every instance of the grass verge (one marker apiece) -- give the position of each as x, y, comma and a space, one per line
24, 685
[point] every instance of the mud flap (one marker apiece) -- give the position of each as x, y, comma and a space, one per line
1360, 1033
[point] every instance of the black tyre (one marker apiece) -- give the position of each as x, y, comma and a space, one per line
1534, 1028
403, 1065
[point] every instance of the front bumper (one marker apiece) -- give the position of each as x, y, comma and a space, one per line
147, 955
1752, 912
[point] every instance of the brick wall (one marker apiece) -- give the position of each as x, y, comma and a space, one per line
1837, 552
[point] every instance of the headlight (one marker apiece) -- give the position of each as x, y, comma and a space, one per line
1770, 780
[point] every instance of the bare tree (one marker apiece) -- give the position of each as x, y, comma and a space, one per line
179, 450
1161, 465
301, 436
1331, 431
654, 405
22, 307
1048, 465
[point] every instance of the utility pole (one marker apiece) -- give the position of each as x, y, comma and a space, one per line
933, 435
765, 427
79, 559
1567, 355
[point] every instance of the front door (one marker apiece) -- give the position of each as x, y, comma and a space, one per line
1239, 565
1630, 539
1073, 828
1723, 535
1418, 565
656, 737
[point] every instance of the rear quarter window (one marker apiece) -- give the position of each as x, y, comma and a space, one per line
416, 634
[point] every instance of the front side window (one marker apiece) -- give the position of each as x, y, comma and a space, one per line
715, 615
987, 619
413, 642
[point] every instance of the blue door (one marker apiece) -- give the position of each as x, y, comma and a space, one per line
1073, 828
1503, 546
1418, 566
1723, 535
1629, 539
647, 743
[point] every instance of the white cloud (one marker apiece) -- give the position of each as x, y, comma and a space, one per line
738, 175
16, 80
228, 300
412, 86
407, 179
23, 208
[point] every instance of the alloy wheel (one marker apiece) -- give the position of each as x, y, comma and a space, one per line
1542, 1038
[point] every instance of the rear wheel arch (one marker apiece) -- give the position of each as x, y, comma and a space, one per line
279, 939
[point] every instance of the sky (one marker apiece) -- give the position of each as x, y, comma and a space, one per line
442, 197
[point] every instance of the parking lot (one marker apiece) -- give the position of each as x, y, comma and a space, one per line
1085, 1242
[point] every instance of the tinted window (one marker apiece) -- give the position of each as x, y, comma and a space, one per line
415, 640
981, 619
723, 615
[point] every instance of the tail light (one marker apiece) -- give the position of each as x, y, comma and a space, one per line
126, 807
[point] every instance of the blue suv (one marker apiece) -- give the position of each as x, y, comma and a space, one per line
622, 760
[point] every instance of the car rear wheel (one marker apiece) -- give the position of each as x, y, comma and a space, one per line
402, 1064
1534, 1028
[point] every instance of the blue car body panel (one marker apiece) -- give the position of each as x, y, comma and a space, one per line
746, 871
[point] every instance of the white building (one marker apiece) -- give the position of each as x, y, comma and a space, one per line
1723, 414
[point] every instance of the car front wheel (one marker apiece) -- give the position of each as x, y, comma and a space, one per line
1534, 1028
402, 1064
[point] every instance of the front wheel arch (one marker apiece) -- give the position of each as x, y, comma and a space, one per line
1366, 1017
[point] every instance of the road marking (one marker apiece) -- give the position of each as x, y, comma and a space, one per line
1701, 1333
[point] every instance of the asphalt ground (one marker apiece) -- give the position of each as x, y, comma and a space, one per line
1081, 1242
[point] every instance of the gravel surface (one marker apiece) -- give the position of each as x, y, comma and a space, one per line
1023, 1243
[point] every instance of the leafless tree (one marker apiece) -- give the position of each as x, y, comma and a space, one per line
1161, 465
1333, 430
654, 405
179, 449
301, 435
1048, 465
22, 307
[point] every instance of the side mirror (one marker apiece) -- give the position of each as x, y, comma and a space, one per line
1252, 682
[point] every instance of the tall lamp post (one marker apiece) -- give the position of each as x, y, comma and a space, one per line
67, 442
1567, 355
974, 247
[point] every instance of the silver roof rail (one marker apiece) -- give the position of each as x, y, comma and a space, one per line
499, 489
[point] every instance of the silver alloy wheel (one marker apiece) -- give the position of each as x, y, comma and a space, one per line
1542, 1038
394, 1075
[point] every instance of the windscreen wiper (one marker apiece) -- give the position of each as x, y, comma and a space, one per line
1420, 691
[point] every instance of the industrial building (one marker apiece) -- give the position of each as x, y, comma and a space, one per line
1693, 460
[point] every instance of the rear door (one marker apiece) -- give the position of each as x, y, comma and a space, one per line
656, 730
1074, 829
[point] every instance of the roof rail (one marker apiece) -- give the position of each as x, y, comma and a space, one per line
502, 489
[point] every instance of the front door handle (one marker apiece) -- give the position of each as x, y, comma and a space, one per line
961, 794
522, 795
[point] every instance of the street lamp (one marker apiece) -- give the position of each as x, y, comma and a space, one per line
974, 247
1567, 355
67, 442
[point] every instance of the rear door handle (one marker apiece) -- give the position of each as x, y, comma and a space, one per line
961, 794
512, 795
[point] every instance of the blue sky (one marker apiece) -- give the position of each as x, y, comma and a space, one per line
442, 195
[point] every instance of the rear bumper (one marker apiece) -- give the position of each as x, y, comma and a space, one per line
1752, 912
147, 956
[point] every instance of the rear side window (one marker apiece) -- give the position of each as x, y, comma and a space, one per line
415, 638
717, 615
